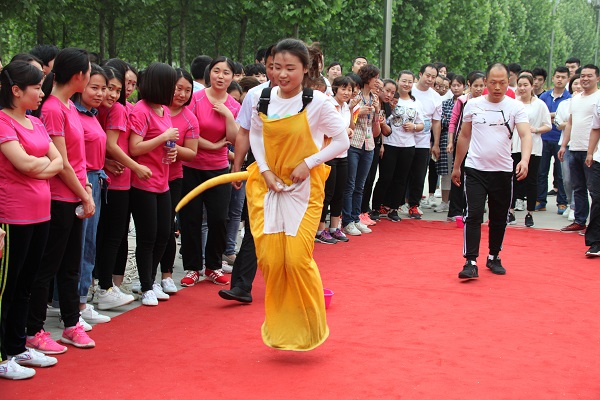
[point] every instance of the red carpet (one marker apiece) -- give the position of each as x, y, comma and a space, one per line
402, 327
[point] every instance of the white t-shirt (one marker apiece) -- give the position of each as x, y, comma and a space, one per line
596, 125
563, 111
431, 105
244, 117
346, 114
447, 96
582, 109
538, 115
323, 119
405, 111
490, 148
197, 86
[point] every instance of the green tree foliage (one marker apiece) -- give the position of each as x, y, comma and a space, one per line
465, 34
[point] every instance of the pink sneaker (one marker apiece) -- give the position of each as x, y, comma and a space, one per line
190, 278
76, 336
368, 220
43, 342
216, 276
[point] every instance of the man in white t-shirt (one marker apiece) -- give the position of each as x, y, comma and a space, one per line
488, 125
577, 136
592, 160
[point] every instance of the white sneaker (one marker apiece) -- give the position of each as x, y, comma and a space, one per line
12, 370
566, 213
425, 204
33, 358
571, 216
438, 193
86, 327
443, 207
403, 209
126, 289
352, 230
519, 205
168, 286
149, 298
92, 316
158, 292
419, 210
52, 311
362, 227
112, 298
227, 269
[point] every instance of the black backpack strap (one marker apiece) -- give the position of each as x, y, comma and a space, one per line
265, 99
307, 96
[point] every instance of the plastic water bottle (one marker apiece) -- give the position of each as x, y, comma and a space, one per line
79, 211
169, 144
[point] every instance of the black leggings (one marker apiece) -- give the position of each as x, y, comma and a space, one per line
334, 187
433, 176
416, 179
62, 257
168, 258
152, 216
393, 176
528, 186
112, 240
19, 265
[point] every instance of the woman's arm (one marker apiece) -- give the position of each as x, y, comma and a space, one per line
56, 163
26, 164
115, 152
188, 151
231, 127
138, 146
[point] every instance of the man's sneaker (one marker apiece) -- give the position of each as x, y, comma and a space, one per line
352, 230
362, 227
160, 295
593, 251
112, 298
33, 358
43, 342
168, 286
12, 370
52, 311
227, 269
149, 298
374, 215
511, 219
529, 220
574, 227
560, 210
495, 265
77, 337
403, 209
92, 316
339, 235
552, 193
325, 238
216, 276
519, 205
469, 271
190, 278
86, 327
540, 206
383, 210
393, 216
443, 207
237, 294
413, 212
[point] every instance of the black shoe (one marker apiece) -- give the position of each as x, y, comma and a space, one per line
511, 219
469, 271
552, 193
374, 215
529, 220
236, 294
593, 251
495, 265
393, 216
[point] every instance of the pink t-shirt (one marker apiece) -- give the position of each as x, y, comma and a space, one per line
95, 141
129, 106
145, 122
187, 123
115, 118
62, 121
212, 128
25, 200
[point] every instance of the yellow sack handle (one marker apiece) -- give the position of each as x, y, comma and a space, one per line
218, 180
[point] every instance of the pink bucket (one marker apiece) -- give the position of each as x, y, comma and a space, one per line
459, 222
328, 296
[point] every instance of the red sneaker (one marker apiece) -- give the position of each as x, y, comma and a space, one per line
190, 278
216, 276
574, 227
413, 212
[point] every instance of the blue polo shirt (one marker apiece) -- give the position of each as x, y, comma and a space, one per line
552, 103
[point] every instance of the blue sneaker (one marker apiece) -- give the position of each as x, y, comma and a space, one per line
540, 206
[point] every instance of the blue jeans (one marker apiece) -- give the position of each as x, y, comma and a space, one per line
236, 203
359, 164
90, 227
550, 150
579, 177
566, 175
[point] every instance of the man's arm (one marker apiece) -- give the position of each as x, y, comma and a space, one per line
462, 145
524, 131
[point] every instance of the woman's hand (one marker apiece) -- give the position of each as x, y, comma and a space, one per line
409, 127
450, 147
89, 207
142, 172
170, 134
273, 182
171, 153
2, 234
350, 132
114, 167
300, 173
222, 109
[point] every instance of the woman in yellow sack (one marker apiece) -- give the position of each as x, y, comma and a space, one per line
285, 193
